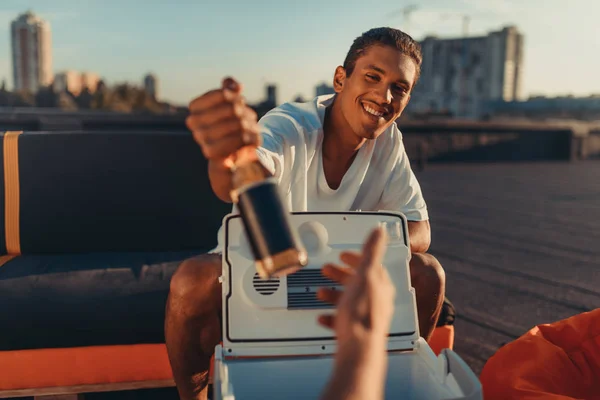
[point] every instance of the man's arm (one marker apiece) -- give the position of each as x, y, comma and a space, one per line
359, 371
403, 193
419, 233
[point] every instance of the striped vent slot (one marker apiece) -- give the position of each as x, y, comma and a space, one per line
302, 289
265, 287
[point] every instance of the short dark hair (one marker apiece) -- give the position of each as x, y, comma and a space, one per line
384, 37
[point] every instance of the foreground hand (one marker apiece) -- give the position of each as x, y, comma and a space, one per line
222, 123
366, 306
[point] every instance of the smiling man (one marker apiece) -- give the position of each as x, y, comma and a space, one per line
340, 152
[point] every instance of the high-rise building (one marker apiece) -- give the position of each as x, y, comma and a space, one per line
272, 94
323, 89
269, 103
461, 75
31, 52
151, 85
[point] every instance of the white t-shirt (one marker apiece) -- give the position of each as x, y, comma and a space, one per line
380, 177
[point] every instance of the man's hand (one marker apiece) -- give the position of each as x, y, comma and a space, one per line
366, 306
364, 313
222, 123
225, 128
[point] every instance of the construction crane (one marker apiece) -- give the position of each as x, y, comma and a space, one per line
466, 19
405, 11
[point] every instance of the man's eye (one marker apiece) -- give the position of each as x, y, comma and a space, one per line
371, 77
400, 89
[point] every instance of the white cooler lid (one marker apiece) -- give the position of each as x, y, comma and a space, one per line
279, 316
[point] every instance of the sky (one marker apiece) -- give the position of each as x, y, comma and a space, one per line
190, 45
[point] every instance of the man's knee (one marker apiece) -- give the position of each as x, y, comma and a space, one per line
426, 270
195, 287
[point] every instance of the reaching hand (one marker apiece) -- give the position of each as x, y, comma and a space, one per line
362, 324
366, 306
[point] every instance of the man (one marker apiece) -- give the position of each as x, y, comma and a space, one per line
339, 152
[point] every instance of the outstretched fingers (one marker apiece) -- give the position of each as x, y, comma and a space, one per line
329, 295
351, 258
337, 273
373, 251
327, 321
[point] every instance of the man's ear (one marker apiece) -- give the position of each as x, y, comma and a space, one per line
339, 78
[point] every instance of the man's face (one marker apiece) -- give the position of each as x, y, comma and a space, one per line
377, 91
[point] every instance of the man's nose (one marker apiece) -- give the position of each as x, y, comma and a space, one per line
384, 94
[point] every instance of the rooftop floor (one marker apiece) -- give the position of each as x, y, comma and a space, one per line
520, 244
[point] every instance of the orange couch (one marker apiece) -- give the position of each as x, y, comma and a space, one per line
105, 368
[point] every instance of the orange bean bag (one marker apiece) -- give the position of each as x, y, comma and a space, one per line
552, 361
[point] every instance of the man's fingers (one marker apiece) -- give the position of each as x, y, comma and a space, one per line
209, 100
328, 321
222, 111
374, 250
227, 137
230, 91
336, 273
329, 295
222, 123
213, 128
389, 283
230, 83
226, 146
223, 148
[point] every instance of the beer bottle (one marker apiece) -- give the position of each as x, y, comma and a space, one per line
275, 244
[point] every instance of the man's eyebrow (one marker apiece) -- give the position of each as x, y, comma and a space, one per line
376, 68
382, 71
404, 82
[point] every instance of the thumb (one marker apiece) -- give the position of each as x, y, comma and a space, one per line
231, 84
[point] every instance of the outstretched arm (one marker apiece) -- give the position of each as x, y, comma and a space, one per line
362, 322
359, 372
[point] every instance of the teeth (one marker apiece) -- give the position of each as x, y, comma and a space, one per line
372, 111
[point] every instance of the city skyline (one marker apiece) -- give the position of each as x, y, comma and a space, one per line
291, 45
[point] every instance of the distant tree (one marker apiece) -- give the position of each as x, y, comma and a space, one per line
85, 99
128, 98
45, 97
65, 102
101, 98
22, 99
123, 97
